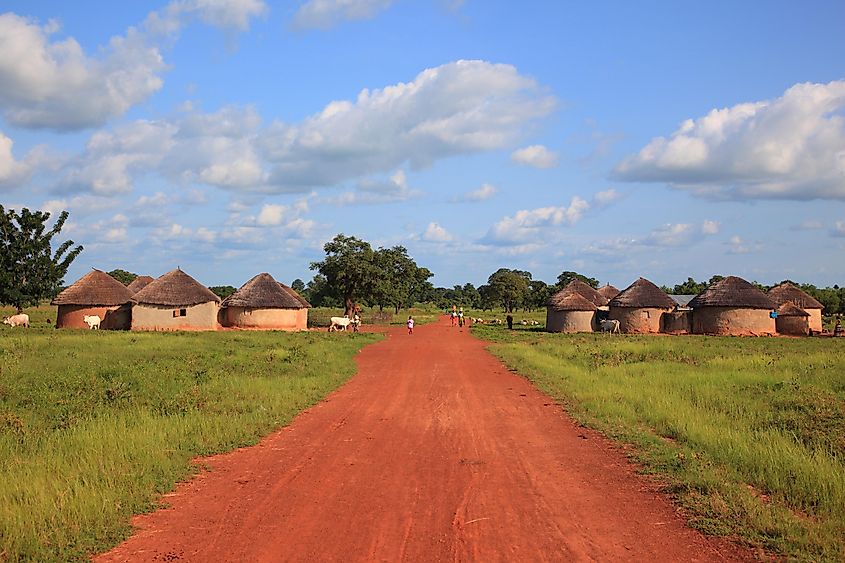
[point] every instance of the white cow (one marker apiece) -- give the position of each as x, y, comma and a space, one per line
340, 323
93, 321
609, 325
17, 320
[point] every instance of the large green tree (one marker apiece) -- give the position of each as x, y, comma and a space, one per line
30, 270
348, 268
510, 287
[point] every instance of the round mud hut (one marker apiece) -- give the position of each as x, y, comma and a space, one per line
608, 291
95, 293
175, 301
641, 308
139, 283
788, 293
584, 290
792, 320
570, 312
732, 306
262, 303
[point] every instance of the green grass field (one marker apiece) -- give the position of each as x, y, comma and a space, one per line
748, 434
96, 425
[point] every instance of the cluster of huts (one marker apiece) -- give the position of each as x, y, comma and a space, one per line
731, 306
176, 301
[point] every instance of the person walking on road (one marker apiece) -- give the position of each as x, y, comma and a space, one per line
461, 317
410, 324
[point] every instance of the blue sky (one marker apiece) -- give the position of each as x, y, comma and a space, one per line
617, 139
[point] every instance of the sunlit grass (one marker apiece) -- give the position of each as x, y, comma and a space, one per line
96, 425
748, 433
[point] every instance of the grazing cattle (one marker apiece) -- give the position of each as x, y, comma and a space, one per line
609, 325
93, 321
17, 320
340, 323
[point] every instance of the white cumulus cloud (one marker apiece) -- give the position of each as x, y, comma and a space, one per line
792, 147
435, 233
13, 172
54, 84
536, 156
606, 197
50, 82
324, 14
709, 227
457, 108
529, 226
485, 192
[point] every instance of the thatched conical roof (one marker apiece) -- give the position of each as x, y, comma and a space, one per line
175, 289
572, 301
790, 309
94, 288
139, 283
296, 295
608, 292
582, 289
732, 292
643, 294
262, 292
786, 292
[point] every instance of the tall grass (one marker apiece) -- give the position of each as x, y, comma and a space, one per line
95, 426
748, 433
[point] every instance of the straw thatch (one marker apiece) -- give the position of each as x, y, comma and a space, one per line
608, 292
296, 295
580, 288
790, 309
788, 293
643, 294
732, 292
570, 302
96, 288
175, 289
139, 283
263, 292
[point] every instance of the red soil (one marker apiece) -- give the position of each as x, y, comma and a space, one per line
433, 452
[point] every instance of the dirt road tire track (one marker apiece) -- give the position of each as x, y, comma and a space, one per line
433, 452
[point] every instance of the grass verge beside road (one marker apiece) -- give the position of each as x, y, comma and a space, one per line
748, 434
96, 425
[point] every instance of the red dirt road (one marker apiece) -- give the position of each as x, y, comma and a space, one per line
433, 452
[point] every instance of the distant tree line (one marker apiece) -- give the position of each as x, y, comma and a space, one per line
506, 289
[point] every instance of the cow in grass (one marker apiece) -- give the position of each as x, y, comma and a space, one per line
93, 321
609, 325
341, 323
21, 319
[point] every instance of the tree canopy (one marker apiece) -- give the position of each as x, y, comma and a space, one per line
221, 291
567, 276
123, 276
29, 269
509, 287
354, 273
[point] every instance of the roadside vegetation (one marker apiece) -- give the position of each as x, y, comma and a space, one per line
748, 434
96, 425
